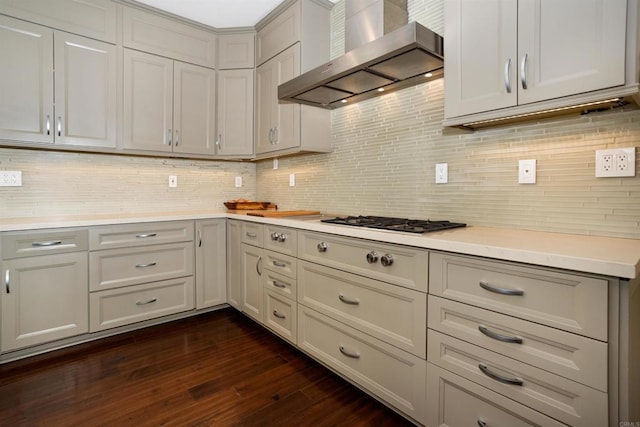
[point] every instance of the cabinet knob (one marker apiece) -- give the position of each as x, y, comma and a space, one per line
322, 247
275, 237
372, 257
386, 260
282, 237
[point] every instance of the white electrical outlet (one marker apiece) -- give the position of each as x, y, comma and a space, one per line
527, 171
238, 181
442, 173
292, 180
275, 164
616, 162
173, 181
10, 178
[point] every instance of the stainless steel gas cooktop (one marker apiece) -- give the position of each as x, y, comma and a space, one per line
395, 224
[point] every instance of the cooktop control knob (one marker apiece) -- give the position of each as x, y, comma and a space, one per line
282, 237
322, 247
386, 260
275, 236
372, 257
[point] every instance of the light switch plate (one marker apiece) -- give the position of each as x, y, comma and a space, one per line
292, 180
527, 171
238, 181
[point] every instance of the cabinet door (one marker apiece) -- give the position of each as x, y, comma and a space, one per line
587, 54
252, 281
194, 109
235, 112
265, 95
481, 61
211, 286
26, 81
85, 87
234, 264
148, 102
45, 298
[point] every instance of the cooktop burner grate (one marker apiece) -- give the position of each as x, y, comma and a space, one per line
395, 224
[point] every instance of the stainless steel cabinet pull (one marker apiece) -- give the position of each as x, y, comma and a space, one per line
278, 315
51, 243
150, 301
274, 236
507, 75
271, 136
386, 260
48, 124
279, 264
523, 71
59, 125
144, 236
199, 238
169, 135
502, 291
6, 282
251, 234
348, 353
177, 140
219, 140
282, 238
372, 257
350, 301
258, 266
500, 378
276, 135
499, 337
322, 247
482, 423
151, 264
279, 285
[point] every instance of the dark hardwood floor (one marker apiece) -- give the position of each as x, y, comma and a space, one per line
217, 368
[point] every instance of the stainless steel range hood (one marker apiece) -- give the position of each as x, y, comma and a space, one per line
407, 56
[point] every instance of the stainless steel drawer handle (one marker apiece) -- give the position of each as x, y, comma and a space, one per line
144, 236
282, 238
507, 74
279, 264
275, 236
322, 247
151, 264
386, 260
523, 71
499, 337
6, 282
150, 301
252, 235
502, 291
51, 243
372, 257
348, 353
350, 301
482, 423
278, 315
500, 378
279, 285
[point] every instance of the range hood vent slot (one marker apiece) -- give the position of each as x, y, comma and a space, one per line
407, 56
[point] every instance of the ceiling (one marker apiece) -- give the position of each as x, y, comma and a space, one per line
218, 13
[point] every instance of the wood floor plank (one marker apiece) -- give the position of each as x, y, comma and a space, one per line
214, 369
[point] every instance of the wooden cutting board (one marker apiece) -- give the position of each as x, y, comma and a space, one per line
275, 214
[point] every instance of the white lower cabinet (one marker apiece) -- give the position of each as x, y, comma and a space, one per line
395, 376
252, 281
210, 274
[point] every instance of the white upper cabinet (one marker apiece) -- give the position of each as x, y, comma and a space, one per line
235, 113
509, 57
84, 81
236, 50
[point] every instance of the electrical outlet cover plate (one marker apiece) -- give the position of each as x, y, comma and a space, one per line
173, 181
442, 173
10, 178
527, 171
616, 162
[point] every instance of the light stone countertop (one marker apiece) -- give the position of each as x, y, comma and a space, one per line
590, 254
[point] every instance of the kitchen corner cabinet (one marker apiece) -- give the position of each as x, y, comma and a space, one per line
81, 72
235, 113
169, 106
44, 297
210, 275
295, 41
506, 57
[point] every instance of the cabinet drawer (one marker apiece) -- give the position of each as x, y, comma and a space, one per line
572, 356
408, 269
280, 284
390, 313
283, 240
280, 315
279, 263
166, 37
278, 34
140, 234
562, 300
118, 307
19, 244
253, 233
395, 376
454, 401
561, 399
123, 267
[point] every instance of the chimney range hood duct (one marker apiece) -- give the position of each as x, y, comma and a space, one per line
386, 62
